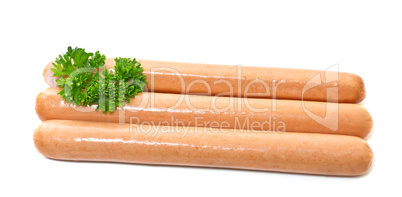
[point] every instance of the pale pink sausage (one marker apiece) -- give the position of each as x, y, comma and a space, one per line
245, 81
282, 152
222, 112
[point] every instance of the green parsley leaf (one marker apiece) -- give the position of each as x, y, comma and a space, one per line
79, 76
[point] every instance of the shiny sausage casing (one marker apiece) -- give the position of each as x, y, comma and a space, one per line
282, 152
219, 112
245, 81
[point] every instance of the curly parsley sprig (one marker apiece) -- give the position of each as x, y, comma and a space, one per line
83, 83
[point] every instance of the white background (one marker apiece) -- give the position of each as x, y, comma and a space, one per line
363, 37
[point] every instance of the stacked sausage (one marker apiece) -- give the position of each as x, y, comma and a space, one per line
269, 119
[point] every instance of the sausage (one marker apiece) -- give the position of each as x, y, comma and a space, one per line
245, 81
218, 112
283, 152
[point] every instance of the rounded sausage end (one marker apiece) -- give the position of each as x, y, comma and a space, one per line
366, 159
355, 91
40, 106
38, 139
48, 75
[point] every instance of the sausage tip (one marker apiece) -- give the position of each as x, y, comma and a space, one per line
38, 139
48, 75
